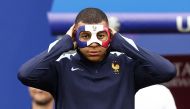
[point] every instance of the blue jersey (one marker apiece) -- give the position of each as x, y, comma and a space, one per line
77, 83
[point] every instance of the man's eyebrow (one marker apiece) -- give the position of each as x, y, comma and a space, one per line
87, 32
101, 31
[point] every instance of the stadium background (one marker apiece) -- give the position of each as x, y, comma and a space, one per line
25, 31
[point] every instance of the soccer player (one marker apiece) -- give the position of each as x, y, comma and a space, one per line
104, 72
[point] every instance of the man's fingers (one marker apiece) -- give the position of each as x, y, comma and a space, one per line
70, 31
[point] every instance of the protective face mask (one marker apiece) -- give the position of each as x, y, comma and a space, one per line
88, 34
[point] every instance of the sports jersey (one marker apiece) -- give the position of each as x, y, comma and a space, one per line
77, 83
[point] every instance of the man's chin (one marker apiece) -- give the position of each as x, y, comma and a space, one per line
43, 102
94, 59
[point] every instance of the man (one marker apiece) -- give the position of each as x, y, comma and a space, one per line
105, 71
41, 99
154, 97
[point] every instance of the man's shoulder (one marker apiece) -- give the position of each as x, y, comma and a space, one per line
67, 55
116, 54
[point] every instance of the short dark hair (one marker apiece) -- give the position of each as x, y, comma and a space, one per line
91, 15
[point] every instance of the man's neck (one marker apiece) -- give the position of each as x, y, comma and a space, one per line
50, 105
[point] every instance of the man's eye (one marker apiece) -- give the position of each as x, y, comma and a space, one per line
85, 36
100, 36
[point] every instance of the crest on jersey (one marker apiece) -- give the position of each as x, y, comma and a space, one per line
115, 67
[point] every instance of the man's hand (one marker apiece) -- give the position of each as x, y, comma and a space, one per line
70, 33
113, 31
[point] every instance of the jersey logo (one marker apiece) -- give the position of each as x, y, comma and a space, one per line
115, 67
74, 69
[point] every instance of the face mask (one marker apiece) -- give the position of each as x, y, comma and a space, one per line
88, 34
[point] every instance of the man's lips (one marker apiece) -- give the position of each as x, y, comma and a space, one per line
94, 53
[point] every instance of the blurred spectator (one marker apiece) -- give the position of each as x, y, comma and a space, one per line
154, 97
41, 99
114, 23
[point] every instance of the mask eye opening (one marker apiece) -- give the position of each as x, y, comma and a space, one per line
85, 36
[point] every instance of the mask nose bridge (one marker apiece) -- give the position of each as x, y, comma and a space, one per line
94, 39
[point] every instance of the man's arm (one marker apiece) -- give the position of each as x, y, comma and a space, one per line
39, 72
150, 68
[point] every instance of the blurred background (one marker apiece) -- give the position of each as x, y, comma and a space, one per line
27, 28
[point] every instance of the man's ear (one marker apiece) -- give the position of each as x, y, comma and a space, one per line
111, 34
74, 35
75, 45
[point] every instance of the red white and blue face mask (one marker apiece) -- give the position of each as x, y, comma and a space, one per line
88, 34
